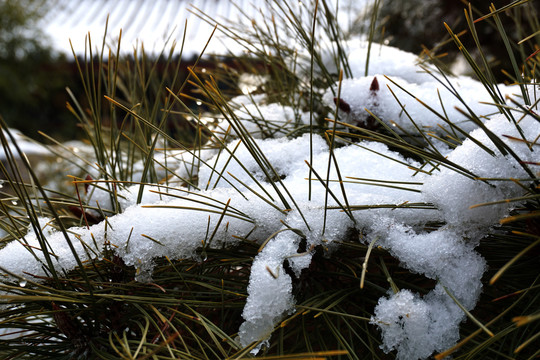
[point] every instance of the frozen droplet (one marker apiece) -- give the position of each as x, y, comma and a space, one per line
22, 282
14, 202
199, 103
1, 184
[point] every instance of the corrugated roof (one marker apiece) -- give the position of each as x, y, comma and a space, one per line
151, 22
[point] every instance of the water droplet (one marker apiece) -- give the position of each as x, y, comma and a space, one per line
14, 202
22, 282
204, 255
199, 103
1, 184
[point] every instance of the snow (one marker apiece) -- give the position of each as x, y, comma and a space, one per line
405, 316
25, 144
460, 192
383, 59
182, 165
237, 198
158, 24
270, 291
260, 119
420, 81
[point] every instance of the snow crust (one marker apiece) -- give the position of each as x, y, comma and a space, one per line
230, 201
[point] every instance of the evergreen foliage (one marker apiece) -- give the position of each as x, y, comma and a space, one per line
136, 119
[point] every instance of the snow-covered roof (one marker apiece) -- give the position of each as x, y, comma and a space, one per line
142, 21
156, 23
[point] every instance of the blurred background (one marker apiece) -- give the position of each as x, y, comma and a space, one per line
39, 40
